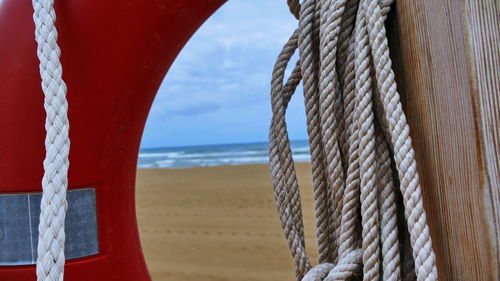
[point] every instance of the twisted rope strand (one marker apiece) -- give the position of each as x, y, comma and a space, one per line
387, 212
284, 175
308, 65
425, 260
330, 111
369, 207
349, 222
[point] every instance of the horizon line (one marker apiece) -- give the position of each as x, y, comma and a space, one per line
213, 144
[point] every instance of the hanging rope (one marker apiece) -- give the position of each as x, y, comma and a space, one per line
50, 261
359, 140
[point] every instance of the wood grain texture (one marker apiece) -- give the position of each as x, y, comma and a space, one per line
483, 27
450, 59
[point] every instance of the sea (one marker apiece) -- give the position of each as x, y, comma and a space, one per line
215, 155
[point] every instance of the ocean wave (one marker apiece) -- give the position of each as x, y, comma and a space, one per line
304, 149
301, 158
184, 154
159, 154
218, 154
215, 155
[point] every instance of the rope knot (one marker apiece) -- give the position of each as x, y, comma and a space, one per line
348, 265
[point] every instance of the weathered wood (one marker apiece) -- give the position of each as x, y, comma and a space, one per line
451, 59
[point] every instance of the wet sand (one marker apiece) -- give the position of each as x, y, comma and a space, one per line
216, 223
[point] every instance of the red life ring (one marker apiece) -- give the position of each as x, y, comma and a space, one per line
115, 54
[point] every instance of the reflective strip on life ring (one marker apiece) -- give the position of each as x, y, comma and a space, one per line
19, 218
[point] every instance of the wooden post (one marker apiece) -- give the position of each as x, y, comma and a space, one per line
450, 59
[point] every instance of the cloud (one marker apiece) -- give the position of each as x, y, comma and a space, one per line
193, 109
219, 83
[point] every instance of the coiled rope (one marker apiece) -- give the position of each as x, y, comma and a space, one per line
361, 154
51, 237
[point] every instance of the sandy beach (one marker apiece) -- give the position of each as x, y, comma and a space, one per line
216, 223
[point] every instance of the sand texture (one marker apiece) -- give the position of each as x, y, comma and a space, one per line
216, 223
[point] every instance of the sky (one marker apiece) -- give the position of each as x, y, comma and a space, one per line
217, 90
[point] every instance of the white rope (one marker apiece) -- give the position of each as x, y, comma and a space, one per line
359, 140
50, 261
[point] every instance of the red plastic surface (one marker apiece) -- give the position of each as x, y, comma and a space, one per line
115, 54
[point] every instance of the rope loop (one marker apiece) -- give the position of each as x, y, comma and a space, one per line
359, 139
347, 267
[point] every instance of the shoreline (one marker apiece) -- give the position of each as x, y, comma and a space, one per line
213, 166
